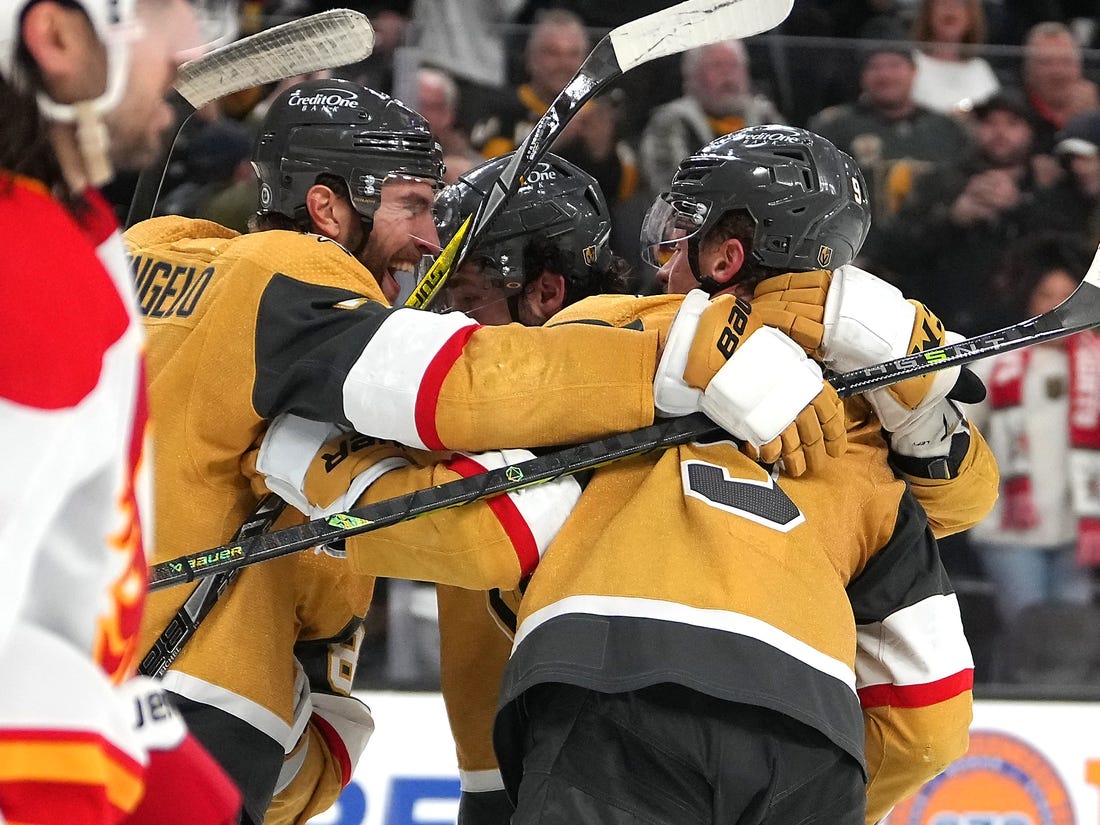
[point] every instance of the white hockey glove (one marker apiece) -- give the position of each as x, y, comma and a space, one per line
293, 445
750, 379
868, 321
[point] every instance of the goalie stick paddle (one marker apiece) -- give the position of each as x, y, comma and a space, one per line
687, 25
326, 40
1079, 312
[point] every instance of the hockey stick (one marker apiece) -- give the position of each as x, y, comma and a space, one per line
568, 461
687, 25
332, 38
1080, 311
202, 599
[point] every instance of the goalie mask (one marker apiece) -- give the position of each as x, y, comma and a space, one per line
557, 219
341, 128
808, 200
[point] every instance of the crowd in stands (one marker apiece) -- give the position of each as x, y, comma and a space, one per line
977, 126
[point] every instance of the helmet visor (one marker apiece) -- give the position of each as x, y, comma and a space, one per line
671, 219
479, 290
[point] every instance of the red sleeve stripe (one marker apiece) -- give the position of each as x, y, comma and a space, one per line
917, 696
392, 390
336, 747
507, 513
427, 400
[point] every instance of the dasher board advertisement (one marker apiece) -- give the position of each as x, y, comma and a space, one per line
1029, 763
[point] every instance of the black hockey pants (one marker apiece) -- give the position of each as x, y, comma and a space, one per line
667, 755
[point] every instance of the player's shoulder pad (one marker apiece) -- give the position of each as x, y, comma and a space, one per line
306, 257
645, 312
171, 229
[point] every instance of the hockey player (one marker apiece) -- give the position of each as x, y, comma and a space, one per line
244, 329
916, 706
548, 247
81, 739
785, 649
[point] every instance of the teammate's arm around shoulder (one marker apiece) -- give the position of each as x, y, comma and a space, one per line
495, 543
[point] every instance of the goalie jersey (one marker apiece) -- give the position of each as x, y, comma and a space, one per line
242, 329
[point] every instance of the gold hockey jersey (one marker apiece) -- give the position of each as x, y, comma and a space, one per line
822, 597
242, 328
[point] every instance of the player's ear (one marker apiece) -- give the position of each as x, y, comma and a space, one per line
728, 262
544, 296
58, 39
326, 211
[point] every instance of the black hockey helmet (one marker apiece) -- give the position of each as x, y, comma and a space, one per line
556, 200
807, 198
338, 127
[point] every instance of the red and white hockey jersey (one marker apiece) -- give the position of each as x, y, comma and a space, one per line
74, 501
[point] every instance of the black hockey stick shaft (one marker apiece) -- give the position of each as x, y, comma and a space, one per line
668, 433
202, 599
687, 25
1079, 312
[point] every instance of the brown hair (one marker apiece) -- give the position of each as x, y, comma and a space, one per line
25, 147
974, 35
739, 224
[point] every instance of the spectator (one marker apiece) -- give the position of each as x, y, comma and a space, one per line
1071, 204
1042, 426
465, 38
717, 100
1053, 79
891, 137
437, 100
557, 46
215, 153
950, 76
948, 239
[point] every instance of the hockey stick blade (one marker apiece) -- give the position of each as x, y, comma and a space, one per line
1080, 311
326, 40
685, 26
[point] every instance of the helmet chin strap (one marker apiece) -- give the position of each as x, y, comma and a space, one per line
92, 139
368, 224
706, 283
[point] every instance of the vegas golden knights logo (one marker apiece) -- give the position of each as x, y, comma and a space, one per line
590, 255
824, 255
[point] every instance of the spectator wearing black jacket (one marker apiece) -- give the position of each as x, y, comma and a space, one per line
948, 239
